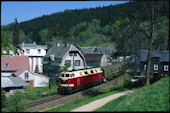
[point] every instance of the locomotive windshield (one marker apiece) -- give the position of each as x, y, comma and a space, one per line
62, 75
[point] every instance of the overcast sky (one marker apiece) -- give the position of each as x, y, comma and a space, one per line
26, 10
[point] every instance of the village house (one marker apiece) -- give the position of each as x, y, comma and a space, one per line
98, 50
159, 62
60, 54
18, 66
95, 60
35, 53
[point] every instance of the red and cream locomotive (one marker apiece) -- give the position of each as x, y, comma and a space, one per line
73, 81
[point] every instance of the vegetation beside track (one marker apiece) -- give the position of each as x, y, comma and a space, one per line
154, 97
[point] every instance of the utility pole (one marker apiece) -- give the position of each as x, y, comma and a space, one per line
150, 47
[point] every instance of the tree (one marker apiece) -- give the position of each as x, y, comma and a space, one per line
36, 69
6, 42
16, 35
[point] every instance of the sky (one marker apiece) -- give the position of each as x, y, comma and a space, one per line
27, 10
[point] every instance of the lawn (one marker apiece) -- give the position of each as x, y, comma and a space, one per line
154, 97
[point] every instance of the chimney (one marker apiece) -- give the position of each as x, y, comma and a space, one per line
22, 43
65, 44
34, 43
10, 56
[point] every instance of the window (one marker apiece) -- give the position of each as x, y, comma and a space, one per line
6, 65
62, 75
145, 67
81, 73
27, 51
68, 61
91, 71
70, 54
67, 75
26, 75
39, 51
155, 67
86, 72
165, 67
77, 63
72, 75
75, 54
96, 70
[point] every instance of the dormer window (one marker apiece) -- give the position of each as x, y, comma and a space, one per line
27, 51
6, 65
26, 75
39, 51
155, 67
70, 54
165, 67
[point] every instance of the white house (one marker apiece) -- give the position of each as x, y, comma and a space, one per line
34, 79
35, 53
59, 54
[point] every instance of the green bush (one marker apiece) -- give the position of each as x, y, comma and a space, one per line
16, 103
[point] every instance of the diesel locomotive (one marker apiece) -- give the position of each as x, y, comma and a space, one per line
74, 81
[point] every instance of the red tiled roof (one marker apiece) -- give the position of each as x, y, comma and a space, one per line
17, 73
14, 62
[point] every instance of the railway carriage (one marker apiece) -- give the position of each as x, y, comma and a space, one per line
73, 81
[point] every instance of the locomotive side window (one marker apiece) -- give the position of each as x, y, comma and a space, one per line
81, 73
86, 72
96, 70
91, 71
67, 75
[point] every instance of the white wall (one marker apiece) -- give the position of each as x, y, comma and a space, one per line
67, 57
6, 74
39, 81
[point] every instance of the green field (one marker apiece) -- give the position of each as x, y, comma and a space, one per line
154, 97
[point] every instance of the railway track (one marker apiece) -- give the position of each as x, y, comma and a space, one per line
58, 100
38, 102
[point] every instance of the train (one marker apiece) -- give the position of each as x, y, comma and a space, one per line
74, 81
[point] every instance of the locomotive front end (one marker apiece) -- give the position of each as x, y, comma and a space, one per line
65, 83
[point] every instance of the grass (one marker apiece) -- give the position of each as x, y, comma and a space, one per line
154, 97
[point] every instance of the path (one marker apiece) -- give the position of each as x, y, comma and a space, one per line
100, 102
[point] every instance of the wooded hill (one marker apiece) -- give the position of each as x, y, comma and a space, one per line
101, 26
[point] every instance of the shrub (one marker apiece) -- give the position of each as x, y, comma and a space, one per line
16, 103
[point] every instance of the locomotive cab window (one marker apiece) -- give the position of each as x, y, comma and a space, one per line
96, 70
81, 73
62, 75
67, 75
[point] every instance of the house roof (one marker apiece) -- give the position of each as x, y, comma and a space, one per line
32, 46
163, 55
12, 82
99, 50
14, 62
59, 51
20, 71
93, 60
93, 56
